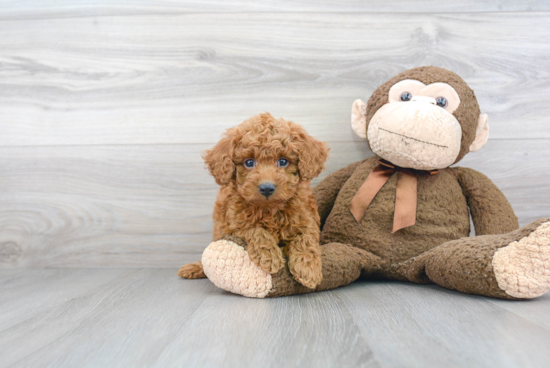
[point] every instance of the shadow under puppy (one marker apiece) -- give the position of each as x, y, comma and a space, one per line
264, 167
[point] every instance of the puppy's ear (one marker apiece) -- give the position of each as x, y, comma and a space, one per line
312, 154
219, 160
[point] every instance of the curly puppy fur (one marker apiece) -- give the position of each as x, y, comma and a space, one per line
288, 218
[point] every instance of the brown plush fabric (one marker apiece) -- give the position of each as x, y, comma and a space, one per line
234, 239
342, 264
491, 211
442, 215
437, 249
467, 112
327, 190
464, 264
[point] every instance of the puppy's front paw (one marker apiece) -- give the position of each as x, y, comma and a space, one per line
269, 259
306, 268
192, 271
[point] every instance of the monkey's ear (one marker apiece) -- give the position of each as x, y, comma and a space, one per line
359, 118
482, 133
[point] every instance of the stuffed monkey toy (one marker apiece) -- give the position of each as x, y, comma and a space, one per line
404, 214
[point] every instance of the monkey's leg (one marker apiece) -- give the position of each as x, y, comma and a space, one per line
515, 265
228, 266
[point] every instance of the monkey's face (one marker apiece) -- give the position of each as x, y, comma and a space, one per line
416, 127
413, 123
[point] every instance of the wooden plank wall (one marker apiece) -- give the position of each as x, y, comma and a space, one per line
106, 105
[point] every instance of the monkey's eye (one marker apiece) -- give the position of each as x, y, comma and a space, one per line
249, 163
406, 96
441, 101
282, 162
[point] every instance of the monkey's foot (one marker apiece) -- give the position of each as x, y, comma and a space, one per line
230, 268
522, 268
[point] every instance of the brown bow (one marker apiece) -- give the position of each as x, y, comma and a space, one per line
405, 193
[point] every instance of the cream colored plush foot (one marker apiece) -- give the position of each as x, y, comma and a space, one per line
522, 269
229, 267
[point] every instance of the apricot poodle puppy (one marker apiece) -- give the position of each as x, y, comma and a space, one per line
264, 167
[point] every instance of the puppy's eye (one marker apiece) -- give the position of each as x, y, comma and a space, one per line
250, 163
441, 101
282, 162
406, 96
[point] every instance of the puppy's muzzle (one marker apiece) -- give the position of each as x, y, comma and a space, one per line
267, 189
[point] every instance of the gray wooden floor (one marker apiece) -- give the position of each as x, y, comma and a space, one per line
149, 317
104, 108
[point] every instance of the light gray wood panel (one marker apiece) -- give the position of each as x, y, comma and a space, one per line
312, 331
26, 293
150, 206
106, 205
530, 310
185, 78
150, 317
12, 9
140, 310
456, 330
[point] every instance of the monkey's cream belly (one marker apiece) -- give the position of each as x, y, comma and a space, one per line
442, 215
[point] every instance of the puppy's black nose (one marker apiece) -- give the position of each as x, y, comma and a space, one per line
266, 189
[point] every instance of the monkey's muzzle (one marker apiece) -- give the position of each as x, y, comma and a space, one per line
415, 134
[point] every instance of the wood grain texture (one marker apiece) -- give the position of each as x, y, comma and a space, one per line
454, 326
150, 206
151, 318
26, 293
184, 78
101, 126
13, 9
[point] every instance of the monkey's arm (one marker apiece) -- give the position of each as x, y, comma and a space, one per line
327, 190
491, 211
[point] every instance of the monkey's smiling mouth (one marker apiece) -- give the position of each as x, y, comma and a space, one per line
414, 139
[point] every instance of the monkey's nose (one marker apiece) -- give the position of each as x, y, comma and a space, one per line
266, 189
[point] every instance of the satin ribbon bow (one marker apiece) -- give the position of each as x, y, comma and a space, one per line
405, 193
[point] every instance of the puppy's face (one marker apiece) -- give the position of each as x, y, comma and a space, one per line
266, 159
267, 176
